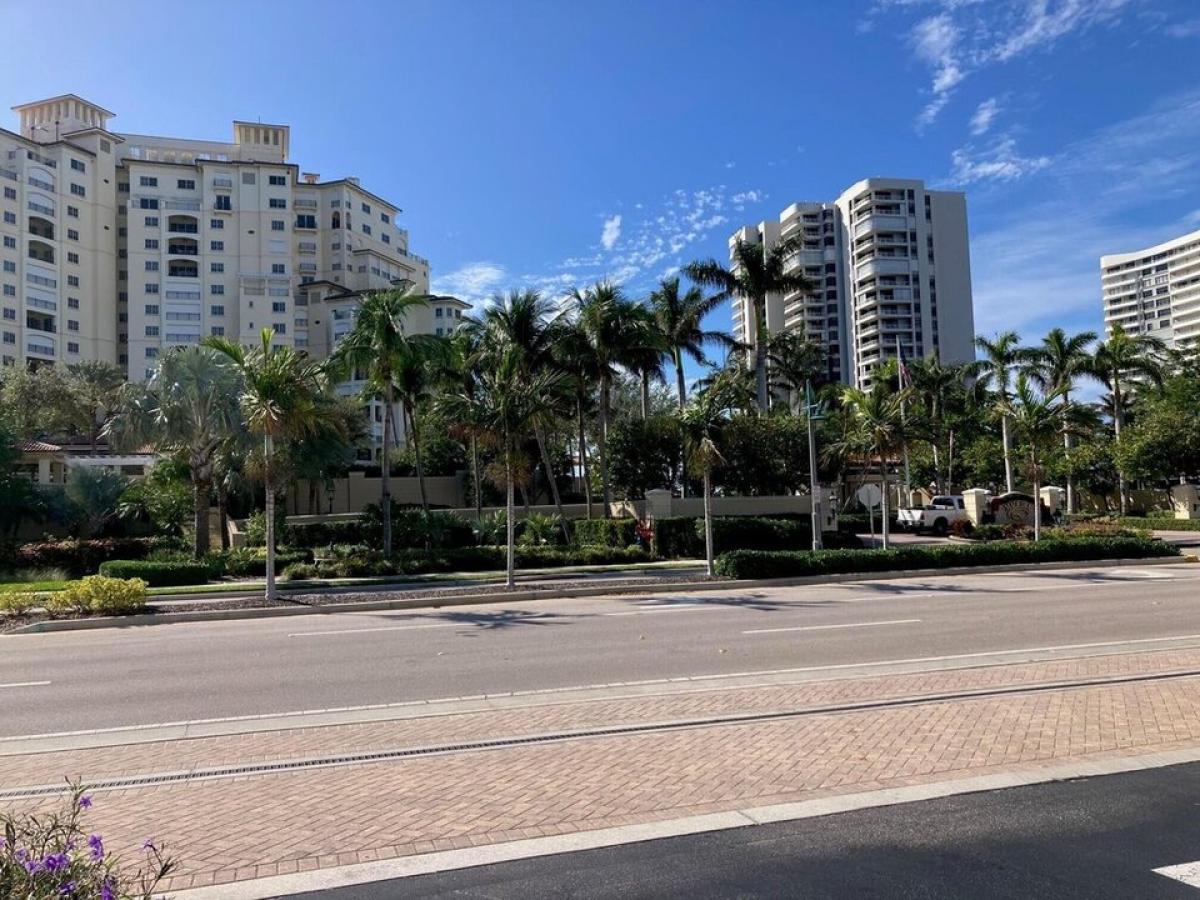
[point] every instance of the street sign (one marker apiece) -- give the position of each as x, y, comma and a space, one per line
869, 495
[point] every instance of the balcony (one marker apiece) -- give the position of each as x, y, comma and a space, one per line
223, 184
307, 247
304, 203
39, 303
41, 346
7, 173
181, 269
183, 247
182, 338
41, 252
883, 266
879, 222
40, 208
44, 160
183, 227
183, 295
38, 183
191, 205
41, 280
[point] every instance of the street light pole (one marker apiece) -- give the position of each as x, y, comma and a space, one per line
814, 488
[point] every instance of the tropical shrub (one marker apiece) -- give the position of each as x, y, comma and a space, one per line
18, 603
321, 534
475, 559
758, 533
962, 528
83, 557
677, 537
541, 530
51, 855
158, 573
300, 572
783, 564
605, 532
105, 596
251, 562
493, 528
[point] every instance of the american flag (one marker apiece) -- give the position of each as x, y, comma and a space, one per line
901, 368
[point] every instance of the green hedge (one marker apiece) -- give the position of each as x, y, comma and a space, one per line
251, 562
605, 532
475, 559
1159, 523
83, 557
784, 564
157, 573
676, 537
320, 534
758, 533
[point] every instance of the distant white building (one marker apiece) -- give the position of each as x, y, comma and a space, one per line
890, 264
1155, 291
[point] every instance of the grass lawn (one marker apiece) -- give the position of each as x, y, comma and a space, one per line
12, 587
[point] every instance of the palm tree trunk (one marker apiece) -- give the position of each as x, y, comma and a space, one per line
885, 509
583, 457
708, 532
681, 387
1037, 498
937, 468
558, 507
201, 487
475, 475
603, 446
1118, 416
385, 473
760, 355
645, 396
269, 482
416, 443
950, 463
223, 515
1006, 441
510, 526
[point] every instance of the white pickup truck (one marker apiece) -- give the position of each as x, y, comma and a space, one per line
937, 516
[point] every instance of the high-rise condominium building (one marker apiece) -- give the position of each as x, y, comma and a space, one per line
890, 267
1155, 291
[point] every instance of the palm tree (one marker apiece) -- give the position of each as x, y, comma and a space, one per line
754, 275
1121, 362
1038, 419
607, 329
96, 387
414, 373
505, 408
934, 386
1001, 356
377, 346
189, 406
283, 398
701, 422
797, 364
680, 318
876, 429
645, 358
1054, 367
457, 375
574, 358
532, 326
733, 385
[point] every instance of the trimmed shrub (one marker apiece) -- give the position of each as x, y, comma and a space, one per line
18, 603
322, 534
476, 559
678, 537
83, 557
744, 564
157, 573
251, 562
758, 533
300, 572
105, 596
1163, 524
605, 532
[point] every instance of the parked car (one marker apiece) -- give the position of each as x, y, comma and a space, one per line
936, 516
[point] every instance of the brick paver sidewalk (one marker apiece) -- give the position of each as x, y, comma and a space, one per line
251, 826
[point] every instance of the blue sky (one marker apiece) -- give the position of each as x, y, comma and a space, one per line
552, 143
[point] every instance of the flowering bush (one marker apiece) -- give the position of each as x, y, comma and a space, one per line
97, 594
45, 857
18, 603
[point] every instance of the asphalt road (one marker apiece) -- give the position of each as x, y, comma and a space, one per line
70, 681
1086, 839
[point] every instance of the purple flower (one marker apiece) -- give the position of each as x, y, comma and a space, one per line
106, 890
148, 844
67, 889
56, 862
97, 845
85, 801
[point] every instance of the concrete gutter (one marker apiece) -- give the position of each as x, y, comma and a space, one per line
553, 592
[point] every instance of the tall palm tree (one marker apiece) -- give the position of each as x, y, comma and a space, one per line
530, 324
457, 375
1002, 355
574, 358
376, 346
283, 398
934, 386
505, 408
797, 363
414, 375
733, 385
877, 429
646, 352
1122, 362
189, 406
754, 275
1054, 367
680, 318
1037, 419
701, 421
607, 324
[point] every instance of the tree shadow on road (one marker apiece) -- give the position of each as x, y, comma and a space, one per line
756, 601
500, 619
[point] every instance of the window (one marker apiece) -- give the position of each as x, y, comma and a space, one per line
186, 184
216, 267
72, 303
278, 269
385, 218
277, 203
366, 207
277, 179
280, 328
440, 331
10, 266
10, 290
278, 225
366, 229
72, 281
279, 307
10, 218
217, 331
151, 352
122, 231
122, 187
152, 309
152, 265
151, 331
10, 193
72, 234
151, 243
152, 289
216, 246
247, 178
72, 347
151, 221
105, 146
337, 267
72, 325
223, 203
306, 221
9, 337
148, 202
216, 289
73, 212
10, 242
77, 190
439, 312
10, 314
217, 310
148, 181
73, 258
387, 238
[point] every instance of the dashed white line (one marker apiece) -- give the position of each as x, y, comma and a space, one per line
682, 607
20, 684
831, 627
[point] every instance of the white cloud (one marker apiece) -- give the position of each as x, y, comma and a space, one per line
1045, 22
730, 165
1184, 29
1000, 162
984, 115
473, 283
611, 232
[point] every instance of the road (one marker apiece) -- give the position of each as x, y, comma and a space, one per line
1095, 837
72, 681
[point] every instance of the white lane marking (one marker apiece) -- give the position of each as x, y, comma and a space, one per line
16, 684
1188, 873
379, 628
831, 627
683, 607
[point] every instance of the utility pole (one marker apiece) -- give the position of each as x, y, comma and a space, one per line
903, 420
813, 415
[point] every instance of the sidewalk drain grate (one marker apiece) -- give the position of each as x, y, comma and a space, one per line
299, 765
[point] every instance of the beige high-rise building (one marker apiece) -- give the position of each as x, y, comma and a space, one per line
1155, 291
118, 246
890, 266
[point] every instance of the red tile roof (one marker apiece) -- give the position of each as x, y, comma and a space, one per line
37, 447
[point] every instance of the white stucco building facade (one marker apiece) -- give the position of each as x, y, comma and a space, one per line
1155, 291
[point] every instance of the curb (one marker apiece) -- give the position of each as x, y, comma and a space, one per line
490, 854
519, 596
